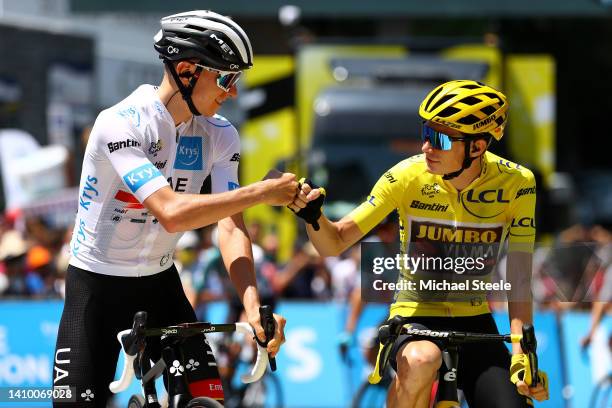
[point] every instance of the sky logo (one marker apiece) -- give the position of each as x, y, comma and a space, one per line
141, 176
189, 153
232, 186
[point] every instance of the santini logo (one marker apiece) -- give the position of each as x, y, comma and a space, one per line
189, 153
114, 146
431, 207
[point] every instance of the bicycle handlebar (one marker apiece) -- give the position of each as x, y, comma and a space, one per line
132, 340
390, 331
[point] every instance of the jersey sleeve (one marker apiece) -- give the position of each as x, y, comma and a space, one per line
384, 198
224, 173
117, 141
522, 231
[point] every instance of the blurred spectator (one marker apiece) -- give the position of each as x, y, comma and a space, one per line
211, 281
602, 285
41, 273
305, 276
345, 273
13, 251
569, 269
39, 232
185, 259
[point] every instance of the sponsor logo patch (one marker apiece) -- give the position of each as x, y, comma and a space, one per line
88, 193
431, 207
389, 176
189, 153
155, 147
430, 190
485, 203
114, 146
141, 176
131, 114
525, 191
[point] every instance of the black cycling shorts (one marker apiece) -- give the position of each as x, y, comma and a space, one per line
484, 368
97, 307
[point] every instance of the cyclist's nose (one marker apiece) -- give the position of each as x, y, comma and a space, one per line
233, 92
426, 147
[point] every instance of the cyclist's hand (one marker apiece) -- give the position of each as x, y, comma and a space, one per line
586, 340
279, 188
345, 341
520, 375
279, 333
308, 202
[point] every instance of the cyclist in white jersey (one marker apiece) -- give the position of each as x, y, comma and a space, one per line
158, 163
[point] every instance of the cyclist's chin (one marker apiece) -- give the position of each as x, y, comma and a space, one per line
210, 110
435, 168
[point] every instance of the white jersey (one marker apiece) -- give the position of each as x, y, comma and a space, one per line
134, 150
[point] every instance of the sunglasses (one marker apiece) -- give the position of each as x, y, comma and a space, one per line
225, 79
439, 140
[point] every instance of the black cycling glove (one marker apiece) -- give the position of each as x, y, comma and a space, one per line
312, 211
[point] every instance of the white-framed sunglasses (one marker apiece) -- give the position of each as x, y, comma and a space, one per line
225, 79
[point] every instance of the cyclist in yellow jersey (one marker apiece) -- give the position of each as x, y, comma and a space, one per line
455, 192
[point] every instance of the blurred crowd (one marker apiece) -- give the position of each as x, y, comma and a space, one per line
573, 269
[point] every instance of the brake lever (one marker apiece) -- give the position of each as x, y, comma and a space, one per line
269, 326
529, 344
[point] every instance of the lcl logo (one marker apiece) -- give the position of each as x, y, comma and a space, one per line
486, 196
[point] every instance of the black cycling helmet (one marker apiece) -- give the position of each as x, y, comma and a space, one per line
214, 40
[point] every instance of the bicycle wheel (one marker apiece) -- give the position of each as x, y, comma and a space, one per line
203, 402
136, 401
600, 397
265, 393
370, 396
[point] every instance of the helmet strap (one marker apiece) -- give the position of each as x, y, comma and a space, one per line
186, 91
467, 162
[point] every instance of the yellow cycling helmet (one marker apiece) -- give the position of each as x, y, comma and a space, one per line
470, 107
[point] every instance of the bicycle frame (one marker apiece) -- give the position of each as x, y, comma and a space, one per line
137, 361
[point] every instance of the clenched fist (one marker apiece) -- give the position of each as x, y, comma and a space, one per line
279, 188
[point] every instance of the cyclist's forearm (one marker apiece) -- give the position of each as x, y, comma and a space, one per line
330, 239
597, 312
236, 250
520, 304
357, 305
184, 212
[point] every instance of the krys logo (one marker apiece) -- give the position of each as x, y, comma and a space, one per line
485, 203
140, 176
189, 153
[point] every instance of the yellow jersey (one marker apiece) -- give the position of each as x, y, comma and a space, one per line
499, 204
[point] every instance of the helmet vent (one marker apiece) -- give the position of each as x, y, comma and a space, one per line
441, 101
469, 120
488, 110
432, 97
471, 86
446, 112
471, 100
193, 27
